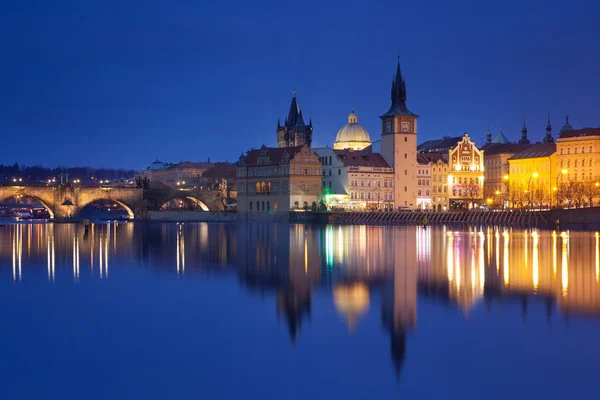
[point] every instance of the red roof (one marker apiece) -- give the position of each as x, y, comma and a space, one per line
426, 158
275, 154
580, 132
361, 158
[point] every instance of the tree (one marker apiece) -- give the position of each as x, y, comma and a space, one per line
590, 190
473, 193
517, 196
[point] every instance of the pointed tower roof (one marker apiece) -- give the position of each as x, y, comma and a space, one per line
488, 135
548, 138
524, 139
300, 119
500, 138
399, 96
294, 112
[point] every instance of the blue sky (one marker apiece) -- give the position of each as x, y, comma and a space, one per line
109, 84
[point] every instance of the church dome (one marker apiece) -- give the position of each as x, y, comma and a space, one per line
566, 127
352, 135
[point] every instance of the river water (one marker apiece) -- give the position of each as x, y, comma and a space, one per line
262, 311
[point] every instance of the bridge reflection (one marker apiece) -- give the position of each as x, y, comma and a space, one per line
359, 265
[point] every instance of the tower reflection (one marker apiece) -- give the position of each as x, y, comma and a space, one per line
358, 265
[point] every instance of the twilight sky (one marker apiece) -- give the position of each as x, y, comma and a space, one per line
119, 84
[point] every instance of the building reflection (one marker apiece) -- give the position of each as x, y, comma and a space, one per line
358, 265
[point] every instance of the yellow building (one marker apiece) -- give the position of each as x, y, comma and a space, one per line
496, 170
532, 176
578, 151
465, 178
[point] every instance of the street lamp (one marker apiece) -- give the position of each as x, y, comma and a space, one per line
559, 176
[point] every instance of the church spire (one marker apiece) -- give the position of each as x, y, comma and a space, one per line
548, 138
398, 93
524, 139
488, 135
292, 118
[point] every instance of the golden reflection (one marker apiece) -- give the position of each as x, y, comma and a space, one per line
449, 257
506, 259
351, 301
535, 270
554, 260
597, 258
565, 263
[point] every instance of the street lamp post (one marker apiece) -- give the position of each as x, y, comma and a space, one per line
559, 176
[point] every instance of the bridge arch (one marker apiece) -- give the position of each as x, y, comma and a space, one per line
127, 208
193, 199
39, 199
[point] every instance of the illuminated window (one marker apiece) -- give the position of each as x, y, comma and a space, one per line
257, 187
275, 205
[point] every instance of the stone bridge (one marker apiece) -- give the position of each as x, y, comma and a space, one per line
67, 201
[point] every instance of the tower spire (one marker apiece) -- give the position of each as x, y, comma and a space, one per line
524, 139
488, 135
548, 138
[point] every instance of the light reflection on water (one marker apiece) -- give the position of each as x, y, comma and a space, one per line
353, 265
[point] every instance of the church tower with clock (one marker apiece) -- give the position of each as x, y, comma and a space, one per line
399, 145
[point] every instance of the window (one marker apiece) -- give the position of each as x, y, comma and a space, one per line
339, 171
296, 205
405, 172
419, 192
329, 159
305, 171
405, 139
329, 172
385, 197
385, 183
268, 206
405, 189
257, 187
263, 206
258, 206
405, 155
275, 205
369, 196
590, 149
362, 196
250, 206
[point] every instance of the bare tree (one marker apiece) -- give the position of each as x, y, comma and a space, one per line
517, 196
473, 193
591, 190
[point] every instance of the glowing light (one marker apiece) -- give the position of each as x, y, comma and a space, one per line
565, 263
506, 265
535, 269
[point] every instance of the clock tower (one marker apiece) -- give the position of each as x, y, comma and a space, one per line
399, 145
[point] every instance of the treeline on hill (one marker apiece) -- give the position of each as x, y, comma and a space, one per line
38, 174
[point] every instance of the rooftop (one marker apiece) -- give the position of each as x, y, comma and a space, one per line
444, 143
361, 158
276, 155
536, 151
505, 148
580, 133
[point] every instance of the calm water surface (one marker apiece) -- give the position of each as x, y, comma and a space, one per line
213, 311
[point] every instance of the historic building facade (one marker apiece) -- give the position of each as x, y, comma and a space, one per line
294, 131
352, 136
465, 178
423, 183
578, 152
356, 180
399, 144
496, 171
532, 174
438, 185
278, 179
